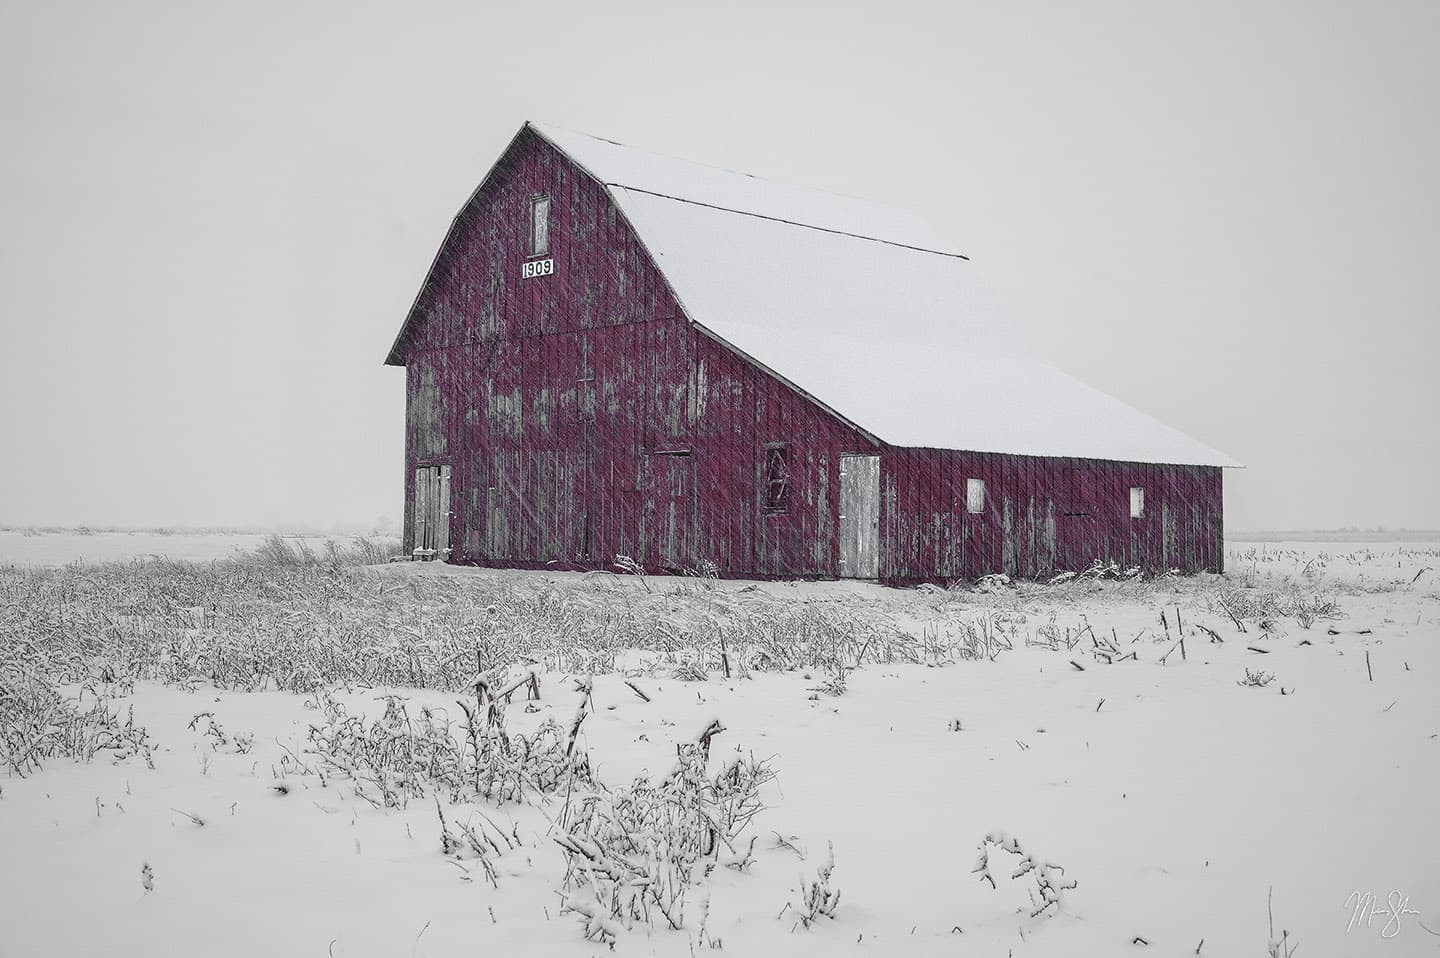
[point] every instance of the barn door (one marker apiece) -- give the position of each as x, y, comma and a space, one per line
1079, 545
432, 512
669, 510
860, 517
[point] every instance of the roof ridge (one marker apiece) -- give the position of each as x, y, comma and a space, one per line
788, 222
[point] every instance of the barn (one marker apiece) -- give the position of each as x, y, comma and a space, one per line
617, 353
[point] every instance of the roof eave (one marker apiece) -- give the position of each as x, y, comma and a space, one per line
396, 356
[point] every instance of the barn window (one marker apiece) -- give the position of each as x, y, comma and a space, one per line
540, 226
777, 478
975, 495
1137, 502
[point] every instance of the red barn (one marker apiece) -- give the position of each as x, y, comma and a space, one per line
618, 353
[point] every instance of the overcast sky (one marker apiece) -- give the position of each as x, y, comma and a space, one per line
216, 216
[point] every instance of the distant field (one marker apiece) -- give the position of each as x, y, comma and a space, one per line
1347, 536
63, 547
60, 547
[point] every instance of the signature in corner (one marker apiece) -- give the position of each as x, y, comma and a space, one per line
1365, 908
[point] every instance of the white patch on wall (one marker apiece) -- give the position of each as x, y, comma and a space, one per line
1137, 502
974, 495
540, 226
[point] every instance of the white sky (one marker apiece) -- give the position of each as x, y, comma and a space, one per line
214, 217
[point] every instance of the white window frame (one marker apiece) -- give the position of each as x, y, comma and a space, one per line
1137, 502
776, 493
539, 226
974, 496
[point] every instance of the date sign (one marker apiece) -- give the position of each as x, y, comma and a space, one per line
537, 267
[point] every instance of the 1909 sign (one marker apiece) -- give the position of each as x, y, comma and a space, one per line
539, 267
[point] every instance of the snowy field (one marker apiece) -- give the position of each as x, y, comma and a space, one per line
58, 548
328, 780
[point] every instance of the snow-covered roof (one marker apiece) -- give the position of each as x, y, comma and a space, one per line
864, 307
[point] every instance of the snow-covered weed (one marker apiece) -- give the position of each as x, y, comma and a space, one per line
220, 741
1099, 570
834, 685
817, 898
38, 722
992, 583
277, 552
398, 756
1262, 605
636, 853
1256, 678
986, 636
475, 842
1050, 880
629, 566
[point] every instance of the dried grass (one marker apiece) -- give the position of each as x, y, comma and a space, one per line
293, 619
639, 853
40, 722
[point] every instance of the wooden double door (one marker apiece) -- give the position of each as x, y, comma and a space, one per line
432, 512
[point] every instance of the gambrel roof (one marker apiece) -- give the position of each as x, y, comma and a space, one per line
865, 308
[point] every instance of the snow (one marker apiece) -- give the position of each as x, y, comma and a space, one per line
907, 343
1177, 804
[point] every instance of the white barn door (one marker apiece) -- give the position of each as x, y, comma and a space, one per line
860, 517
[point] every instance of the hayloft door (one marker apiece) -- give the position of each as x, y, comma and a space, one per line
860, 517
432, 512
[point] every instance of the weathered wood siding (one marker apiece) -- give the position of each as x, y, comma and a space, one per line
1043, 515
738, 410
584, 416
544, 394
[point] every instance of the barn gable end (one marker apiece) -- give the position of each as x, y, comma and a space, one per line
474, 291
581, 414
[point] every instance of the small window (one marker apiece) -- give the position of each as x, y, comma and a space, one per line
1137, 502
540, 226
777, 479
975, 495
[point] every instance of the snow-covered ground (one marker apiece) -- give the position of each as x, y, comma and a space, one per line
1178, 799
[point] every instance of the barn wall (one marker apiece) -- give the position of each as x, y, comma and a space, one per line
1043, 515
739, 409
583, 416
